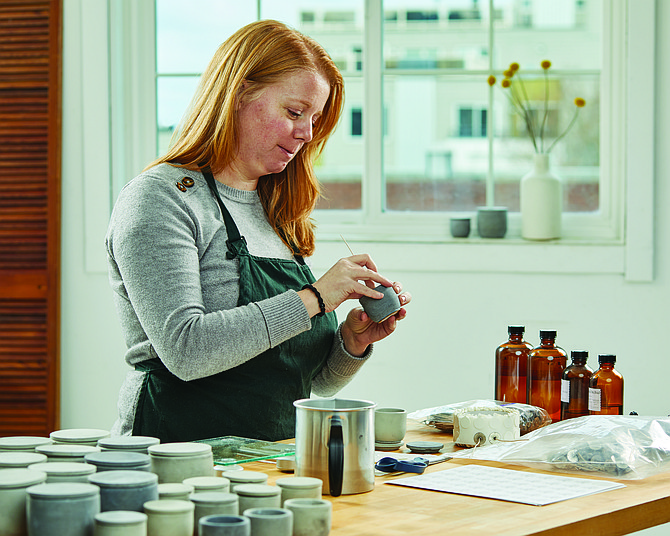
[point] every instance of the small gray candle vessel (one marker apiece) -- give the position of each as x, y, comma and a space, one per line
380, 309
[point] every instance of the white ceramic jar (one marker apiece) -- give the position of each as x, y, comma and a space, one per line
214, 503
58, 472
79, 436
65, 452
174, 491
244, 477
109, 460
125, 490
258, 496
299, 487
13, 485
20, 459
58, 509
120, 523
169, 518
175, 462
208, 483
128, 443
23, 443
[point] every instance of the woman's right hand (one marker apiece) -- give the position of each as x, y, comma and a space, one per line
348, 279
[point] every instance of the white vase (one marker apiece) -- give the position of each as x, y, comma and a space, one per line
541, 197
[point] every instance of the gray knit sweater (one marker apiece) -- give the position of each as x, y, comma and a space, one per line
176, 293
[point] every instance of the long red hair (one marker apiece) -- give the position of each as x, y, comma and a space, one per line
260, 54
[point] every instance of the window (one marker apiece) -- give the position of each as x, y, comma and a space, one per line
406, 194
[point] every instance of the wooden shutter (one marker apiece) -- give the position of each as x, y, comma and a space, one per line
30, 142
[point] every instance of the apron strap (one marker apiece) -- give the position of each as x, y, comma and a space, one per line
231, 227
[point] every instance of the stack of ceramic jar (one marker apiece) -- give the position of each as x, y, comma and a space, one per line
81, 482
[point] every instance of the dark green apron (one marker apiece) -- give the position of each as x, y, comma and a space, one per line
255, 399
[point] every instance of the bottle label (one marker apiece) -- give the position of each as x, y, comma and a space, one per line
594, 399
565, 390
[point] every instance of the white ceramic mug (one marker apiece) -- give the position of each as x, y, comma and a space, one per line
390, 424
311, 517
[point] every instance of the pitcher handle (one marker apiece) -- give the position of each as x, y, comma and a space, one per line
335, 457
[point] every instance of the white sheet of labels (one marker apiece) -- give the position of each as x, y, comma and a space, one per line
536, 489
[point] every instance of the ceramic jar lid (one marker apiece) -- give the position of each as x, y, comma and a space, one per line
20, 478
23, 442
78, 435
173, 489
207, 482
20, 459
64, 468
245, 477
65, 490
66, 450
128, 442
123, 479
120, 517
168, 507
115, 459
185, 449
299, 482
257, 490
214, 497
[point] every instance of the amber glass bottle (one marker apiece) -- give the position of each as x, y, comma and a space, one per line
546, 364
575, 386
511, 367
606, 388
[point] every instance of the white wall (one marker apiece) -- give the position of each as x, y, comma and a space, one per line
443, 351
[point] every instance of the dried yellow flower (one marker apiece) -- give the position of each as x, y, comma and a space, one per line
579, 102
506, 83
514, 67
509, 73
492, 80
545, 64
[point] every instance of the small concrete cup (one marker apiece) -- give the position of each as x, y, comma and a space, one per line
390, 424
311, 517
380, 309
492, 222
459, 227
270, 521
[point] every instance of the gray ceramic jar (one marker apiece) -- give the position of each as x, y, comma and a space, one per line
224, 525
57, 509
175, 462
125, 490
115, 460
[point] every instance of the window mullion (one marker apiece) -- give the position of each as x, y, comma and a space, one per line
372, 187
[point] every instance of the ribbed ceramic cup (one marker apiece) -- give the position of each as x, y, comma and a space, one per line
459, 227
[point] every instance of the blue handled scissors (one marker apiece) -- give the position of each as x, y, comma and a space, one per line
391, 465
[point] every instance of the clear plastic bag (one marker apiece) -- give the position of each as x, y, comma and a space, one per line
618, 446
442, 417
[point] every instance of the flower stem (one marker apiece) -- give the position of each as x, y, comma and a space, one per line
572, 122
546, 108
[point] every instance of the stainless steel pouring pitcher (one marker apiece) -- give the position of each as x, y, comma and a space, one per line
335, 441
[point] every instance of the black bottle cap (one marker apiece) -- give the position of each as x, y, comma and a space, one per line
607, 358
547, 334
516, 330
579, 354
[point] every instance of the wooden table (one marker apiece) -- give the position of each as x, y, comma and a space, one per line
400, 510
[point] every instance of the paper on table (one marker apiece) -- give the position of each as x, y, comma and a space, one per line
507, 485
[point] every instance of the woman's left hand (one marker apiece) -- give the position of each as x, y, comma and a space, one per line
359, 330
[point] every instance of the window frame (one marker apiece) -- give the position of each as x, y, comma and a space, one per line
622, 243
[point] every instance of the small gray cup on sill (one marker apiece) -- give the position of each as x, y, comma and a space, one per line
492, 222
459, 227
